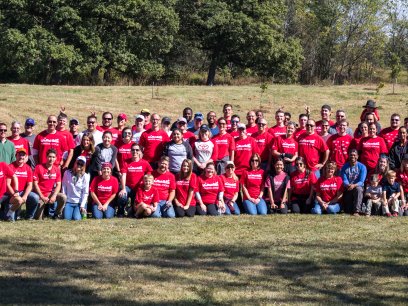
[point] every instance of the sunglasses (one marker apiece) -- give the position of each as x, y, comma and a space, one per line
3, 130
107, 118
310, 125
135, 150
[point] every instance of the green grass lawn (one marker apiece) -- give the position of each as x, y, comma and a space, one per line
211, 261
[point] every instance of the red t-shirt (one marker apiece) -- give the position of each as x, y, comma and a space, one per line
264, 143
371, 148
104, 189
298, 132
389, 135
147, 126
251, 130
153, 144
310, 148
244, 148
189, 137
45, 141
402, 178
300, 184
68, 139
282, 144
124, 152
231, 186
254, 181
147, 196
277, 130
115, 132
24, 175
46, 178
21, 143
328, 188
339, 147
164, 183
209, 188
182, 188
319, 123
135, 170
5, 173
225, 144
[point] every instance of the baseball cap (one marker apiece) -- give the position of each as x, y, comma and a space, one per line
21, 150
30, 121
166, 119
326, 106
241, 126
82, 159
140, 117
74, 121
182, 119
122, 116
106, 165
229, 163
145, 111
204, 127
263, 121
198, 116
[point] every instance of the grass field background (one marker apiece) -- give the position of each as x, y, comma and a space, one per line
206, 261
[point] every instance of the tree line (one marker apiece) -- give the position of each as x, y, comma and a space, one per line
169, 41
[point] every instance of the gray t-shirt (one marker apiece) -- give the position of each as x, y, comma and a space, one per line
30, 139
375, 192
176, 153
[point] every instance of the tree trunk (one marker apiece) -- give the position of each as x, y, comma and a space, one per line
213, 68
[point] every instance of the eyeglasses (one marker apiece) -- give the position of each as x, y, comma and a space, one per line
310, 125
91, 122
127, 133
181, 123
3, 130
134, 150
107, 119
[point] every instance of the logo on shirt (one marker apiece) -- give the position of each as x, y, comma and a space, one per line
210, 185
254, 176
328, 186
155, 137
105, 188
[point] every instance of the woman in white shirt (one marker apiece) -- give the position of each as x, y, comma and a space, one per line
75, 185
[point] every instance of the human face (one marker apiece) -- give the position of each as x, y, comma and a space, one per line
370, 119
185, 167
279, 166
340, 116
255, 162
402, 134
79, 165
242, 133
251, 118
300, 166
3, 131
227, 112
259, 115
182, 125
106, 172
374, 183
52, 123
364, 129
135, 150
139, 123
325, 113
290, 129
342, 128
127, 135
107, 139
372, 130
302, 122
229, 170
73, 128
62, 122
310, 126
280, 118
29, 129
261, 126
209, 171
205, 136
211, 117
391, 179
15, 130
86, 142
222, 124
234, 123
21, 158
148, 183
177, 136
395, 122
188, 114
147, 118
155, 121
353, 157
330, 171
163, 166
91, 124
51, 157
382, 164
107, 120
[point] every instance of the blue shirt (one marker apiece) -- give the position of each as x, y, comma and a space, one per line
391, 189
353, 174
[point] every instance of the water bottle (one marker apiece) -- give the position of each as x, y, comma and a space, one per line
84, 216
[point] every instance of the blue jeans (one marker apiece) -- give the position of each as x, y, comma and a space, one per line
72, 211
99, 214
31, 205
122, 201
331, 209
163, 211
236, 210
317, 173
255, 209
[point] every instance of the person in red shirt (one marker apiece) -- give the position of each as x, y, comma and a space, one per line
104, 189
302, 181
360, 132
107, 121
329, 191
25, 185
122, 121
370, 148
210, 192
390, 134
50, 139
233, 131
253, 184
147, 122
313, 149
285, 147
70, 144
19, 142
231, 189
147, 198
47, 185
302, 126
9, 195
152, 142
124, 144
165, 183
187, 135
339, 145
186, 187
370, 107
244, 148
227, 111
402, 179
132, 171
226, 146
325, 112
279, 129
264, 142
251, 127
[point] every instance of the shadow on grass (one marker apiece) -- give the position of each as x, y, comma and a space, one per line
304, 273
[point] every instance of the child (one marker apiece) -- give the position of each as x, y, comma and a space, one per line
391, 192
370, 107
373, 195
147, 198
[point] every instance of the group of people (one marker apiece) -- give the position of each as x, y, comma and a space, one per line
158, 168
